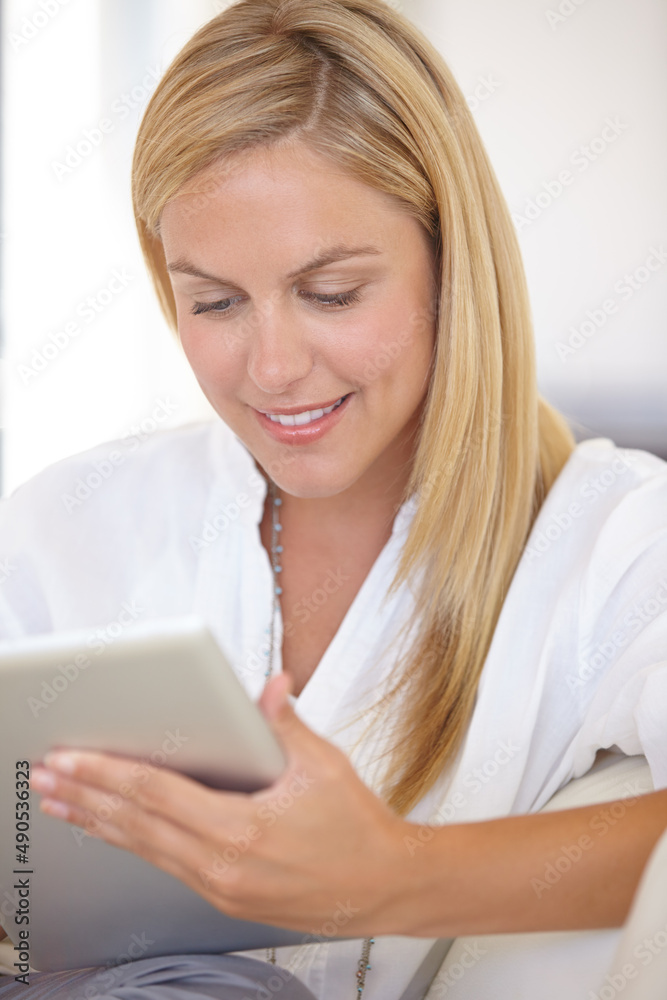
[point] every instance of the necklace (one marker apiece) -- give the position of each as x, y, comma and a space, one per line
276, 551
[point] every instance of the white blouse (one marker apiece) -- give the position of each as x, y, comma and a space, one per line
125, 532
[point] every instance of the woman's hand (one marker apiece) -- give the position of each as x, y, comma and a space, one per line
316, 852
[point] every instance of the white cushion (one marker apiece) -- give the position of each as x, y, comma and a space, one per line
563, 965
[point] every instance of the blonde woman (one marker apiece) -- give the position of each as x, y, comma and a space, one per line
454, 601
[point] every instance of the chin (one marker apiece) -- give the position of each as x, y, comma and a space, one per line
298, 470
309, 490
311, 485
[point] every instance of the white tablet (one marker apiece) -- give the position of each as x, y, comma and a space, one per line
165, 693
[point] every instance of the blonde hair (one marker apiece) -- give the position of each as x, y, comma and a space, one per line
361, 85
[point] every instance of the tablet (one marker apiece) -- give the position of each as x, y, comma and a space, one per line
163, 692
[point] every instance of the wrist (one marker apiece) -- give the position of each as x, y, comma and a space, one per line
417, 882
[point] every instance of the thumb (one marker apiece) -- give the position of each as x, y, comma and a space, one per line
287, 726
274, 700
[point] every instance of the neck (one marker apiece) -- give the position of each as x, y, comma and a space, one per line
375, 496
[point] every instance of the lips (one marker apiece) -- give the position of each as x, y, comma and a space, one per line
303, 417
306, 408
308, 430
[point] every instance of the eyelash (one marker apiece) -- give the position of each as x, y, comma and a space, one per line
341, 299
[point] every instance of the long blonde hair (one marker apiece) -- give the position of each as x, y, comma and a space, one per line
361, 85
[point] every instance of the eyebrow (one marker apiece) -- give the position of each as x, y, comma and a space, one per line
331, 256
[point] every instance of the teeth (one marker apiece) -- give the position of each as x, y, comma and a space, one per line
297, 419
305, 418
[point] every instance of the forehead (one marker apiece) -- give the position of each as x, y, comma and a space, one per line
278, 186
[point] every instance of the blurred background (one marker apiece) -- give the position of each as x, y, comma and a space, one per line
569, 99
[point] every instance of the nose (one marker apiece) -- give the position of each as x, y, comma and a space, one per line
279, 349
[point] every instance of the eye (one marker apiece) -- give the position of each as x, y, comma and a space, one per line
223, 306
341, 299
212, 307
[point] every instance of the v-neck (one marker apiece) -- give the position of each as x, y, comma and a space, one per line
239, 612
321, 694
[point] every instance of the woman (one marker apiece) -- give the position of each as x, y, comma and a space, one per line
326, 234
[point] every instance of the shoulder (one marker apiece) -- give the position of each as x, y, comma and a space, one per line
606, 500
603, 468
584, 624
164, 471
597, 556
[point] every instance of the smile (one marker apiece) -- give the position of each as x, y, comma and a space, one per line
306, 417
307, 426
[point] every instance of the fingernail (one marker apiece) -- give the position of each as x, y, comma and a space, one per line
63, 762
42, 781
54, 808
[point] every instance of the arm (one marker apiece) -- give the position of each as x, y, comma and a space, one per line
571, 870
319, 841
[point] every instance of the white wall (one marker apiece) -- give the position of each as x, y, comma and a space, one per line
68, 230
540, 92
556, 71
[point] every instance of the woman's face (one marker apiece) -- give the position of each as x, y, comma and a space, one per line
297, 285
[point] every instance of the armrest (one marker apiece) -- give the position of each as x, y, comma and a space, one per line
557, 965
612, 776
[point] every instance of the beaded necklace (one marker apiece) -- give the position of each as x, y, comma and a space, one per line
276, 549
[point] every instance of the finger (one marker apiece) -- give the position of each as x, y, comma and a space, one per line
159, 791
91, 808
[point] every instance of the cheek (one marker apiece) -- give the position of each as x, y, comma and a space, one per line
212, 357
396, 346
